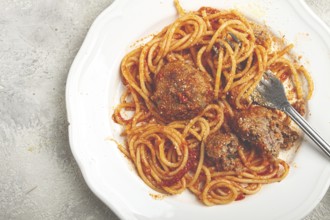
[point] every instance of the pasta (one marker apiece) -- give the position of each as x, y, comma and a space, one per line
234, 52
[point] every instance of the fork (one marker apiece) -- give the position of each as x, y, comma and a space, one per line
270, 93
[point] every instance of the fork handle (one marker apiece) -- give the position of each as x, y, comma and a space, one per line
303, 124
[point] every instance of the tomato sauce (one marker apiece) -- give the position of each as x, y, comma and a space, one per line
191, 163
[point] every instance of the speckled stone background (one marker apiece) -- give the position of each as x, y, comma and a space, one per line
39, 178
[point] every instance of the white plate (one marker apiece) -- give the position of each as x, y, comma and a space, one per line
94, 86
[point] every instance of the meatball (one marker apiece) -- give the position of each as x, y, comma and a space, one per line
290, 136
263, 128
222, 149
259, 127
300, 106
181, 91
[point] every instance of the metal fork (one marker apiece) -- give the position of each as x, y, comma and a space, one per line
270, 93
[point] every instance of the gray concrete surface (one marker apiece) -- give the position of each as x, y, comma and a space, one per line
39, 178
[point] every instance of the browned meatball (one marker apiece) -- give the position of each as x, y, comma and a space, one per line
258, 126
222, 149
263, 128
181, 91
289, 137
300, 106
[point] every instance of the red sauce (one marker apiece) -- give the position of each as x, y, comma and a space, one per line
209, 10
284, 76
191, 163
214, 22
240, 196
266, 172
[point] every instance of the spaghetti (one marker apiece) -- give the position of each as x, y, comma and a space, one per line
169, 155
